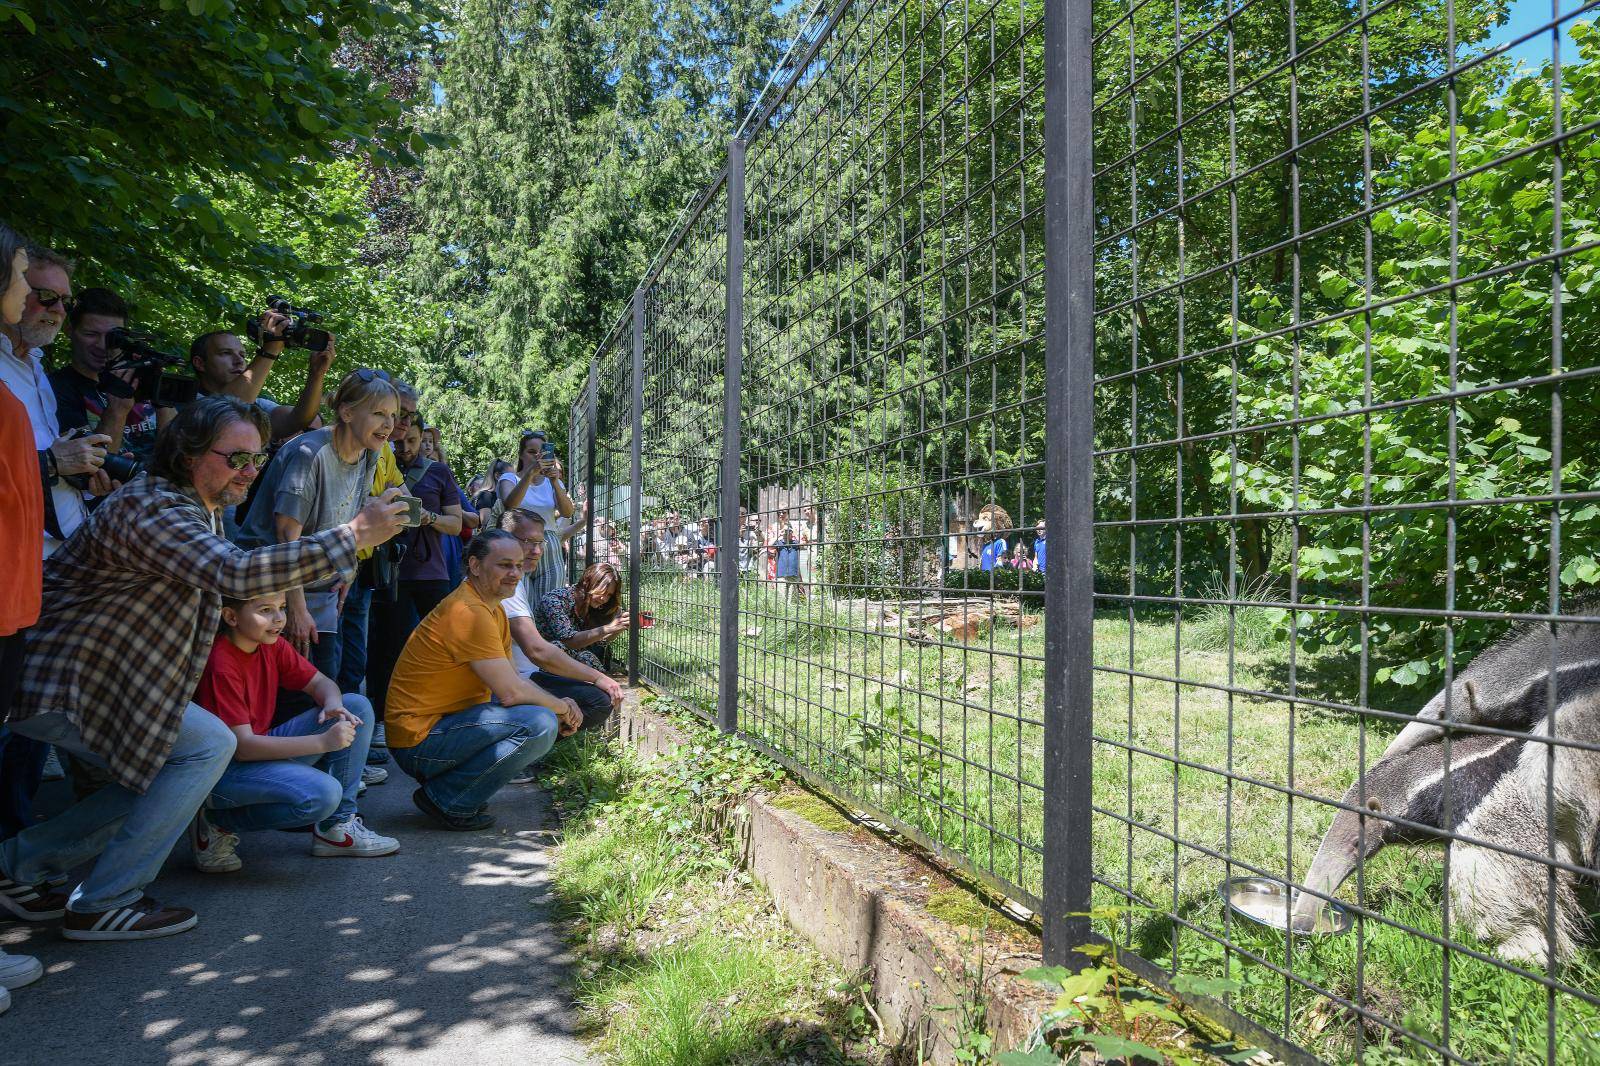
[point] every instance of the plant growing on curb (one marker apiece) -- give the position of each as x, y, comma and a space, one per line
1102, 1008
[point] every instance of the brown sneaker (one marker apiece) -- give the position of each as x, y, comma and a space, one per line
143, 919
31, 903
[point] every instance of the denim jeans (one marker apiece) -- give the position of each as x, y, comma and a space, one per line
353, 639
317, 790
467, 757
130, 833
595, 705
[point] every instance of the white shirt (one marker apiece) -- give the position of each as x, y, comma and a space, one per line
516, 606
540, 497
26, 379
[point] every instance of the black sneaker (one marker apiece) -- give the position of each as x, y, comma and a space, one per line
459, 822
31, 903
143, 919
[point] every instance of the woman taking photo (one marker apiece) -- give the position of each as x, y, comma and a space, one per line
586, 617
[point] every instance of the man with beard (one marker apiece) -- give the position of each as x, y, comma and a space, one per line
49, 280
82, 399
131, 606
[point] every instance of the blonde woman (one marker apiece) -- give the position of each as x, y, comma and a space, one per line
318, 481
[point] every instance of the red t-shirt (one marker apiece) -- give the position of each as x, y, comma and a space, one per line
21, 518
242, 688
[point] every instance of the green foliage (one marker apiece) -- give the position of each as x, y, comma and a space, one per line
1000, 579
147, 137
883, 536
583, 132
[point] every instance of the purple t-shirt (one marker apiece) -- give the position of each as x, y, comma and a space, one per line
425, 558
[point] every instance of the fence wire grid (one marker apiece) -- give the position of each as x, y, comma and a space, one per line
1316, 376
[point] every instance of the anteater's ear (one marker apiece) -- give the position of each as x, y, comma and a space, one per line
1472, 701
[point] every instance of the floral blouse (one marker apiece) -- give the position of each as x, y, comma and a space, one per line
557, 619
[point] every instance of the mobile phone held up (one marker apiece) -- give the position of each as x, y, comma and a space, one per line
646, 619
413, 516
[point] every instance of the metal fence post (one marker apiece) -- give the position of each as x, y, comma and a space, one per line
732, 380
591, 403
1069, 465
636, 487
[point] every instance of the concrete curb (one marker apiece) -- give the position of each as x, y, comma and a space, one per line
861, 901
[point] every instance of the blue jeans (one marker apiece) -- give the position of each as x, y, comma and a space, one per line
467, 757
353, 639
130, 833
317, 790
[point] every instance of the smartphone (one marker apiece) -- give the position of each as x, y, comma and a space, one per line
413, 510
646, 619
549, 452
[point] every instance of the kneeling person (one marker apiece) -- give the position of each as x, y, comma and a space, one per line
444, 728
306, 771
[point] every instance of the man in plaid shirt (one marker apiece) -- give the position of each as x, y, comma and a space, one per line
131, 605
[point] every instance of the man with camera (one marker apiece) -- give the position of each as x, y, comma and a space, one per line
89, 396
131, 606
78, 455
219, 364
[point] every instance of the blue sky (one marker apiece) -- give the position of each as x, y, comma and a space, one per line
1529, 15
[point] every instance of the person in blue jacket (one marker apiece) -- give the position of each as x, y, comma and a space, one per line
1038, 546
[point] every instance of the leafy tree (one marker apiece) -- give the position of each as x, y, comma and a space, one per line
139, 136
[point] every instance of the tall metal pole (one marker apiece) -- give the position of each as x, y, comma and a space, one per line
636, 487
1069, 467
591, 393
732, 381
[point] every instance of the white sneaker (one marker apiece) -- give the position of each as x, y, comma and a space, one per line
19, 970
373, 775
213, 847
352, 837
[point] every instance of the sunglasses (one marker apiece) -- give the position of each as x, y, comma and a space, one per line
50, 297
240, 460
366, 377
534, 433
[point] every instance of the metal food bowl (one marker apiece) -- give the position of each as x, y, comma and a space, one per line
1270, 903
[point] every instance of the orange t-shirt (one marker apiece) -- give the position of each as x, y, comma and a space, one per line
21, 518
434, 675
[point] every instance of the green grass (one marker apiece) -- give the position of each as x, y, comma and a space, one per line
687, 963
911, 727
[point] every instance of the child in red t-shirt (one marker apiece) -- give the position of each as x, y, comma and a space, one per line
306, 771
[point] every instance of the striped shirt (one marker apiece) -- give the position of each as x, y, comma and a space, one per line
131, 605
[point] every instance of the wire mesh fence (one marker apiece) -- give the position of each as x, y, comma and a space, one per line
1317, 380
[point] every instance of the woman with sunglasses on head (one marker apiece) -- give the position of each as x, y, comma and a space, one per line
318, 481
21, 546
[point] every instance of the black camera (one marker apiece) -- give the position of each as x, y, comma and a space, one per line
301, 331
137, 352
119, 466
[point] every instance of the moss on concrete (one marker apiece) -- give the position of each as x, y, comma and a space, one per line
959, 907
817, 811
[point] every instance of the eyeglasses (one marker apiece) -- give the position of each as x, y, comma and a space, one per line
240, 460
50, 297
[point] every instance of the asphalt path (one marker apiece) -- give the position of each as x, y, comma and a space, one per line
444, 953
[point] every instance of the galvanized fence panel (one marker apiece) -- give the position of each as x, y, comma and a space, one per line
685, 349
1312, 395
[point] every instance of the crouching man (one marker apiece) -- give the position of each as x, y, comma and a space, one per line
131, 605
444, 728
537, 659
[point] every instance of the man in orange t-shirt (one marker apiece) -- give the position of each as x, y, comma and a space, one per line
460, 719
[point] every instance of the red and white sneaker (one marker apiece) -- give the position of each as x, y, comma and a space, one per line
351, 838
214, 848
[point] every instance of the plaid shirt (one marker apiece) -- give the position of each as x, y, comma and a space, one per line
131, 605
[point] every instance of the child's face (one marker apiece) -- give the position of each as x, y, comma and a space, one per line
260, 620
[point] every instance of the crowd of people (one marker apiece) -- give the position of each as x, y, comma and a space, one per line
221, 614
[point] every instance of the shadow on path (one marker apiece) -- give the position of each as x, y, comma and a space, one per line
444, 953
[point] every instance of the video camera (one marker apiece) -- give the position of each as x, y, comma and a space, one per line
301, 332
135, 351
